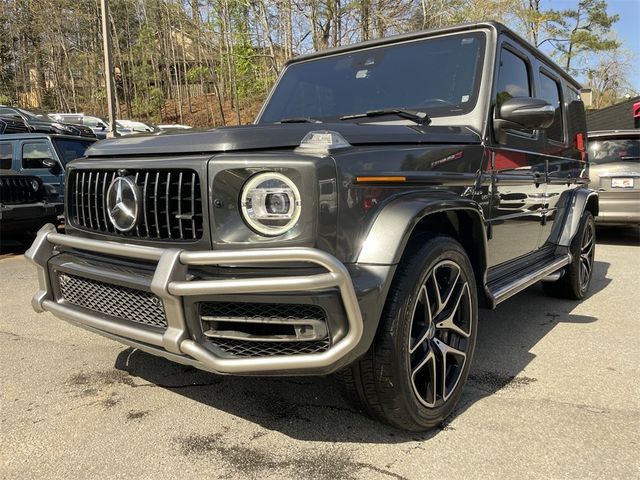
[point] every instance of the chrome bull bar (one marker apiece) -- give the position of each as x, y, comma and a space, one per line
170, 284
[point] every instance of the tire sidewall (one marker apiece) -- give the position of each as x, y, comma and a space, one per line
428, 255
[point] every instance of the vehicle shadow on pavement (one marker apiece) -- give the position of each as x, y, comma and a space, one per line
624, 236
10, 247
311, 408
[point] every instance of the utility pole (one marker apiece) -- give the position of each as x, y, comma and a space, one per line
108, 68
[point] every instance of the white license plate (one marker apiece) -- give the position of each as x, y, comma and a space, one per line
622, 182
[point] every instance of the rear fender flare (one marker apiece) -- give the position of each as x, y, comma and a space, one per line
581, 200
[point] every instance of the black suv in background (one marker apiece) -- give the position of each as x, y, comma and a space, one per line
25, 206
386, 191
41, 123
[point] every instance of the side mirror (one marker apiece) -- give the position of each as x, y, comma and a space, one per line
524, 114
53, 166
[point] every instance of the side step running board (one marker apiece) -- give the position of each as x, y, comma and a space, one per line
506, 290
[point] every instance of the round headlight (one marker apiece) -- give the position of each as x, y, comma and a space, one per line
270, 203
35, 185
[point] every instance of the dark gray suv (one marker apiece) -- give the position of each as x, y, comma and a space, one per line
386, 191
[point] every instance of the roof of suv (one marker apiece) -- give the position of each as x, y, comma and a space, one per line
496, 26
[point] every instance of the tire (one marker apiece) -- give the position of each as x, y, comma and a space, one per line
574, 284
400, 380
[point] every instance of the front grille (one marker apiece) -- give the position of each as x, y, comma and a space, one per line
113, 300
245, 348
170, 203
18, 189
260, 311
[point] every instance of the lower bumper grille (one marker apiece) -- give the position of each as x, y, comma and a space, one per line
247, 348
263, 329
113, 300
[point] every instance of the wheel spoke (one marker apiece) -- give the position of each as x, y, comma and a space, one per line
448, 323
423, 298
441, 302
430, 389
447, 351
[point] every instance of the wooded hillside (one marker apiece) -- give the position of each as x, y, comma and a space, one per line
211, 62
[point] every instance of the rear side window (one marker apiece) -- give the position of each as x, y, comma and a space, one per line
6, 156
550, 91
33, 155
513, 77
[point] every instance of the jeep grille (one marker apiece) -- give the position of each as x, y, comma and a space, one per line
170, 203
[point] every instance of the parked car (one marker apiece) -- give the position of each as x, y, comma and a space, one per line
98, 125
42, 155
25, 206
41, 123
355, 228
129, 127
174, 126
10, 124
614, 156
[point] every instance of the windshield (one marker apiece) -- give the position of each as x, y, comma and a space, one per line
614, 150
439, 76
70, 149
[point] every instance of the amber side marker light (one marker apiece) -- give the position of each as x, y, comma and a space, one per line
380, 179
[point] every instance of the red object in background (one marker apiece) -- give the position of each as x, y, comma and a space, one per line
636, 115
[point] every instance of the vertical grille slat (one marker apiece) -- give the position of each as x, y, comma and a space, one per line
144, 204
167, 197
180, 205
193, 205
156, 205
137, 224
167, 205
89, 200
84, 221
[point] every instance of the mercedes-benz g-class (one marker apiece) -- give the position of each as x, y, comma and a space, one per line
385, 192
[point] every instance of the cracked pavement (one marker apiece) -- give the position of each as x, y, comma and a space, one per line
554, 393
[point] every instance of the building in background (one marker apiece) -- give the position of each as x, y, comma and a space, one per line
621, 116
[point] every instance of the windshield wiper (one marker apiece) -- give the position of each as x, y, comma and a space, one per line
419, 117
299, 120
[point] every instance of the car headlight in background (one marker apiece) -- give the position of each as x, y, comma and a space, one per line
270, 203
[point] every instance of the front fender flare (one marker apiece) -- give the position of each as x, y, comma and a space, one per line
387, 238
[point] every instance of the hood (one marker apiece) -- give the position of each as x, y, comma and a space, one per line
275, 136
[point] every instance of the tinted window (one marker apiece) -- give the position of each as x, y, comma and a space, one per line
70, 149
33, 155
513, 78
6, 156
439, 75
614, 150
550, 91
91, 121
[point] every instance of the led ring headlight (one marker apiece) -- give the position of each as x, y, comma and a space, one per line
270, 203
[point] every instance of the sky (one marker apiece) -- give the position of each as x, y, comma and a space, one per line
627, 29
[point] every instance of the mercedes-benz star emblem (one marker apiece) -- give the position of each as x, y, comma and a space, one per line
122, 203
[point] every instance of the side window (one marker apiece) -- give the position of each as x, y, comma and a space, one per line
90, 122
513, 77
550, 91
33, 155
6, 156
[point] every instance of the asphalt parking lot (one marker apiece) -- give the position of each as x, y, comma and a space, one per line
554, 393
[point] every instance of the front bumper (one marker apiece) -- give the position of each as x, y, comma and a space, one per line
170, 283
